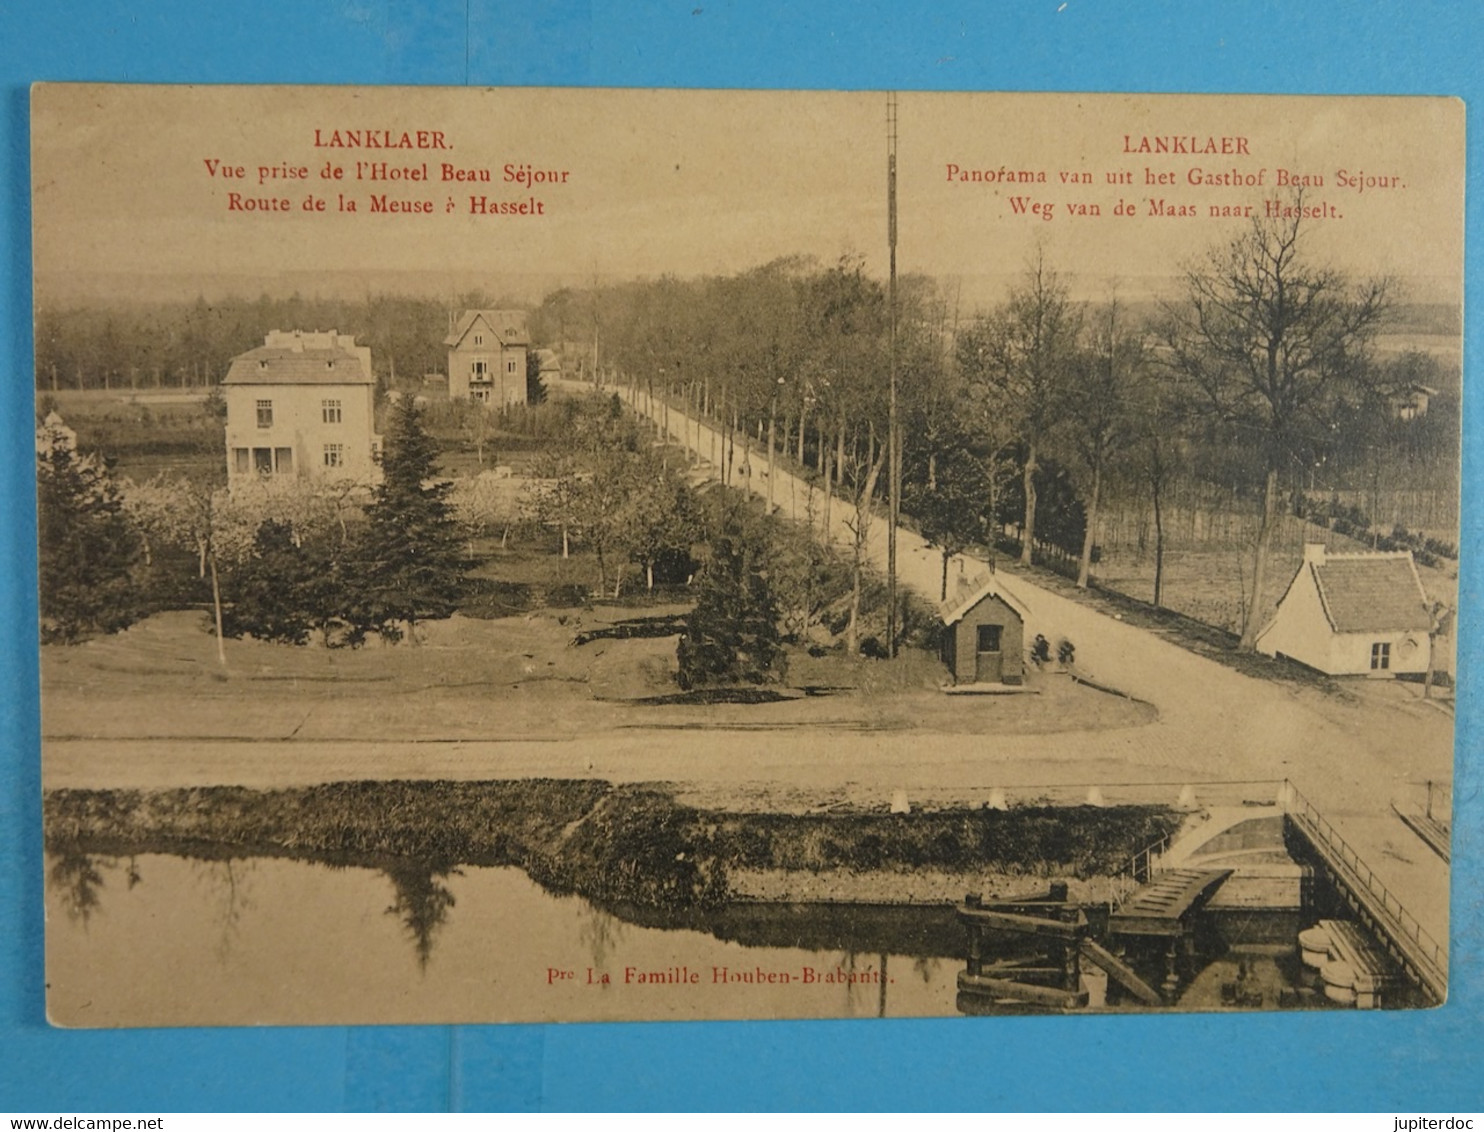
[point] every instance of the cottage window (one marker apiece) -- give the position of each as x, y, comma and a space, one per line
1380, 656
265, 414
330, 411
989, 638
334, 455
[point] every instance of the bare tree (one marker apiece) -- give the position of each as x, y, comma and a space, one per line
1270, 339
1158, 448
1020, 356
1109, 369
864, 470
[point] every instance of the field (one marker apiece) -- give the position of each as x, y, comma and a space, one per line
510, 678
146, 433
1210, 583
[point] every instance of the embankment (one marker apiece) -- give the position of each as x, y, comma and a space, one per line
630, 844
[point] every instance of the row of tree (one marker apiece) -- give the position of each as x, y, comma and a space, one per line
179, 344
1262, 367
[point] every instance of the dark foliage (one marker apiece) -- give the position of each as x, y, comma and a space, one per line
1061, 520
408, 562
423, 901
535, 387
87, 546
284, 590
732, 635
949, 501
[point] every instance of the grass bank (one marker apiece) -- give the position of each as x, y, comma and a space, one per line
630, 844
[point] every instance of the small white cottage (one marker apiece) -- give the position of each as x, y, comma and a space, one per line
1353, 615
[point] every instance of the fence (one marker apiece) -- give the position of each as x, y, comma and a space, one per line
1416, 946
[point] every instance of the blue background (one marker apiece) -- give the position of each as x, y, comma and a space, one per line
1429, 1060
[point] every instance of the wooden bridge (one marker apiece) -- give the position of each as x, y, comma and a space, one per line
1421, 956
1163, 910
1044, 968
1164, 905
1049, 974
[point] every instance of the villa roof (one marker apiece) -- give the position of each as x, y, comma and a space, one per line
508, 326
282, 365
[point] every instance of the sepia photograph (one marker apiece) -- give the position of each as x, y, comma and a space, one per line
549, 554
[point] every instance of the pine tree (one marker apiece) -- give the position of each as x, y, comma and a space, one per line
87, 545
410, 557
732, 635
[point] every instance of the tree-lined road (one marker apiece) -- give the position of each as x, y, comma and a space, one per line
1350, 757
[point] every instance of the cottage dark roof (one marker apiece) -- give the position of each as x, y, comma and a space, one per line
282, 365
1367, 593
970, 595
508, 326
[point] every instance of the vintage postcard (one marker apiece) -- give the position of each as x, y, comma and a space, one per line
541, 555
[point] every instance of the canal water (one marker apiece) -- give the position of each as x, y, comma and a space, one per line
157, 940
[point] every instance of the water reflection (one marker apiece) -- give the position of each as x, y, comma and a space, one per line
423, 901
275, 939
601, 932
77, 877
228, 884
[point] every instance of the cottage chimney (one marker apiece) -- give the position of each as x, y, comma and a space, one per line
1314, 553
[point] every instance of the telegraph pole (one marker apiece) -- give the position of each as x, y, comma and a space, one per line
893, 432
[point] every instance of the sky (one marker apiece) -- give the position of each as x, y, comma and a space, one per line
700, 182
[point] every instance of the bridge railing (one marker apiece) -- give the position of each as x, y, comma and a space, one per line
1403, 925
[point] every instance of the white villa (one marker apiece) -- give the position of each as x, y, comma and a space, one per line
302, 404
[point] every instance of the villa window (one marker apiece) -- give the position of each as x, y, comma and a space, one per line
265, 414
264, 461
334, 455
330, 412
